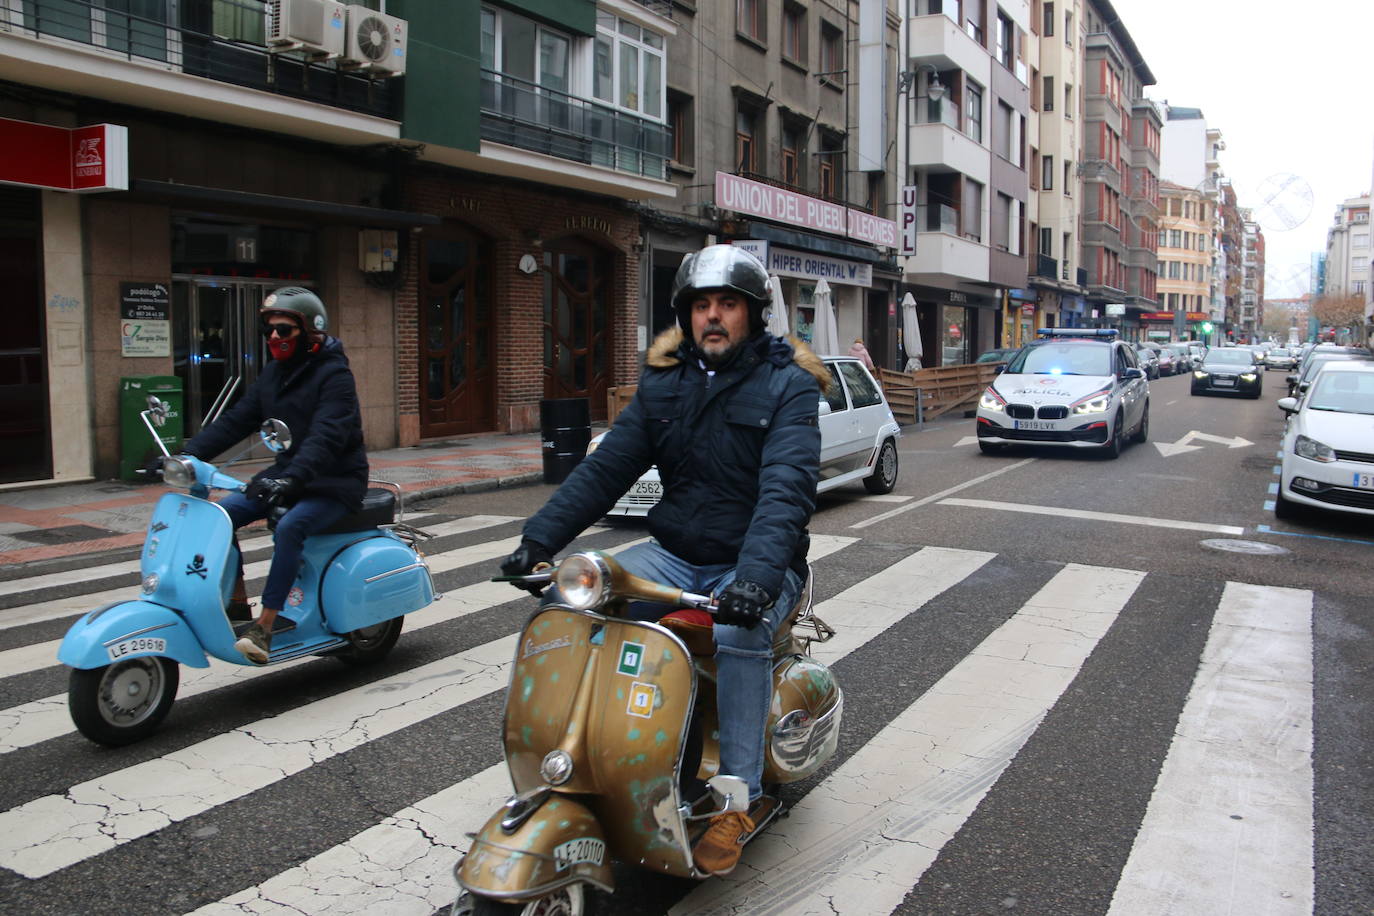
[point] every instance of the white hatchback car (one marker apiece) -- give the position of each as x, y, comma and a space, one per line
858, 440
1075, 387
1328, 446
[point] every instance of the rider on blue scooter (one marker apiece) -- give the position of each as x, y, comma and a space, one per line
323, 475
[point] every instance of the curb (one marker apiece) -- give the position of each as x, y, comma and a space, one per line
475, 486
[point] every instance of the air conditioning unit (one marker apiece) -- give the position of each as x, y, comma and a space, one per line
317, 28
376, 42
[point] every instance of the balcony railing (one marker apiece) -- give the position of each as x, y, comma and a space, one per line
663, 7
1046, 266
520, 113
1082, 276
937, 218
228, 46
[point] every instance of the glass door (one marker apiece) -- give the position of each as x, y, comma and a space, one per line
216, 348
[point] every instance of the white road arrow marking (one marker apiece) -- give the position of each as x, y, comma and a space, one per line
1177, 448
967, 440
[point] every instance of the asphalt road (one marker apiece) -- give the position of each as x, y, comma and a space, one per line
1045, 719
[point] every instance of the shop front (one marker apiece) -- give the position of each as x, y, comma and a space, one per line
1157, 327
963, 323
1021, 316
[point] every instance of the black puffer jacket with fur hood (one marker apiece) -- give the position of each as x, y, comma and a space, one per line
738, 452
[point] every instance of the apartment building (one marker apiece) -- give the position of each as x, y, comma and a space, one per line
775, 148
1055, 270
1252, 279
1190, 157
1347, 249
1230, 248
966, 107
1120, 171
1185, 264
457, 181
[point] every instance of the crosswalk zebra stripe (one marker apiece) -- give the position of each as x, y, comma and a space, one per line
1229, 828
858, 841
44, 654
53, 832
423, 841
45, 718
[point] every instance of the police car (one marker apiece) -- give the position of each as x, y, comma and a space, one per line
1075, 387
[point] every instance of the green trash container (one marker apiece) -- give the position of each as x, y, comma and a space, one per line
136, 446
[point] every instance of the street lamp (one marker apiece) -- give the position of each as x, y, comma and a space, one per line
935, 90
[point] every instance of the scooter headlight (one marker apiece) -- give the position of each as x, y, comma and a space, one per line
177, 471
557, 767
584, 581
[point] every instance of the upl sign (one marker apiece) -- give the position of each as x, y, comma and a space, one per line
93, 158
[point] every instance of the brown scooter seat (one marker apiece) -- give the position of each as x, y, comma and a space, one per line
694, 628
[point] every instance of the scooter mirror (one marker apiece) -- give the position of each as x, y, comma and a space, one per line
276, 435
731, 792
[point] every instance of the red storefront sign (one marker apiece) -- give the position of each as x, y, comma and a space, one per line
1157, 316
93, 158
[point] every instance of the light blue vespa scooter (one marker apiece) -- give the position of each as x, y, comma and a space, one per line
356, 581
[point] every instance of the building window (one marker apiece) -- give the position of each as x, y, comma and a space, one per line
1068, 174
1358, 287
1006, 41
971, 211
236, 21
526, 55
680, 120
973, 112
750, 19
1068, 27
973, 21
1047, 173
628, 66
1360, 264
830, 168
1175, 238
832, 51
1048, 95
794, 33
1359, 240
1068, 102
792, 156
746, 140
1048, 26
1046, 241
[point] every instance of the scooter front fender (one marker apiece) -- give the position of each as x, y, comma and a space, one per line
560, 843
128, 629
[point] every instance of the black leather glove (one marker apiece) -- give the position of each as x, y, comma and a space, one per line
742, 604
524, 559
275, 491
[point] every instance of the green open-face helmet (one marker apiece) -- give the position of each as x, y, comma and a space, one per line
300, 302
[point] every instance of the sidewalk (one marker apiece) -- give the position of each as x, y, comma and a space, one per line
67, 520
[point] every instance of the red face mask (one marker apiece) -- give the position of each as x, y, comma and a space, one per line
282, 347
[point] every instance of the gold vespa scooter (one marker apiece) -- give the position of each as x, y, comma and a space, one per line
610, 736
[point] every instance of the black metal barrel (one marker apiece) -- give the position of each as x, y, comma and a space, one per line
565, 426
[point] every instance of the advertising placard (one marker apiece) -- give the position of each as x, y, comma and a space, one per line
909, 226
145, 327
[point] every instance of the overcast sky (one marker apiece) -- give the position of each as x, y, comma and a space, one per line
1290, 86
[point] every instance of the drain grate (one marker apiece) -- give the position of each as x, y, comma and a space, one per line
1231, 545
66, 534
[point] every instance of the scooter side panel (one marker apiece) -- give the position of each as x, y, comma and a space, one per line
559, 844
128, 630
551, 661
640, 710
189, 549
372, 579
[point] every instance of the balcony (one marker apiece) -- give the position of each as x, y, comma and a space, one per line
531, 117
942, 148
937, 40
940, 251
89, 48
1048, 267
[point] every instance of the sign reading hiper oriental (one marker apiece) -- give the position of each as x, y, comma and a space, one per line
807, 265
93, 158
754, 198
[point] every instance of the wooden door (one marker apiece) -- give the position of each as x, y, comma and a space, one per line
578, 331
457, 364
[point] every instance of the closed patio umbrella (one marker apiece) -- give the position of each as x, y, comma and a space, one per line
777, 311
827, 334
911, 334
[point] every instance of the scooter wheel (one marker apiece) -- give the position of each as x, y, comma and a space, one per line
370, 644
568, 900
123, 702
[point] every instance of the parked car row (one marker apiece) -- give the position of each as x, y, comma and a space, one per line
1174, 358
1328, 441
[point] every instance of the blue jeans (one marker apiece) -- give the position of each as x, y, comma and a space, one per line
744, 658
310, 514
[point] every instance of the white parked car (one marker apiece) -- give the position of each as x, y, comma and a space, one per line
1328, 447
1075, 387
858, 440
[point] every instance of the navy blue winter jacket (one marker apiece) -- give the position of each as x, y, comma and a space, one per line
738, 453
315, 395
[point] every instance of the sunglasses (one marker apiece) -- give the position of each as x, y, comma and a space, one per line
283, 330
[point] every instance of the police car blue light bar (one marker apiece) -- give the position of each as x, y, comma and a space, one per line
1103, 333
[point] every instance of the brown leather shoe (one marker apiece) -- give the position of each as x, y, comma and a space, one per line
718, 850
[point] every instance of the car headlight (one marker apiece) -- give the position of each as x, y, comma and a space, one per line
1199, 374
1093, 403
993, 401
1312, 449
177, 471
1248, 376
584, 581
